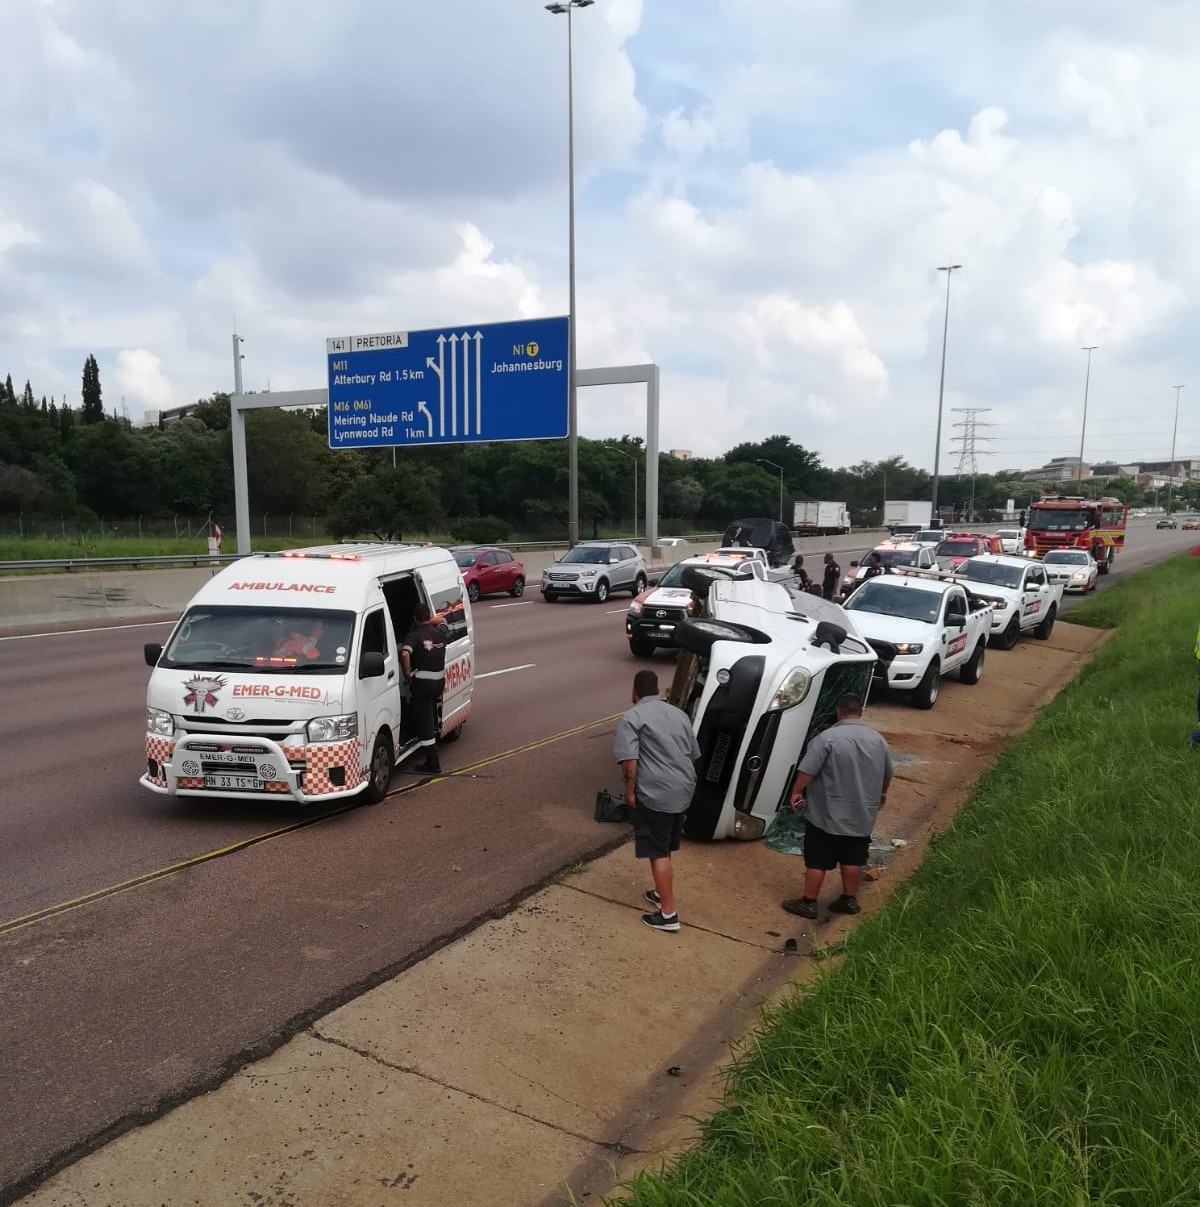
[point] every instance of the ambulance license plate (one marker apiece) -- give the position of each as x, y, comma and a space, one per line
238, 783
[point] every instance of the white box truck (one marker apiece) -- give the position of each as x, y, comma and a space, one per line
907, 515
821, 519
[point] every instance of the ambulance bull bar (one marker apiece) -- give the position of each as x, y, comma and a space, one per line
198, 756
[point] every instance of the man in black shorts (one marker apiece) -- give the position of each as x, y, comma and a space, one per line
657, 750
844, 776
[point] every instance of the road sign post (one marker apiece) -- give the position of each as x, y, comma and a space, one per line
453, 385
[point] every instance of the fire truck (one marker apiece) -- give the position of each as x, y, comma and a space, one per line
1072, 522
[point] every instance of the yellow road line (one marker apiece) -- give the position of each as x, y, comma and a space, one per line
123, 886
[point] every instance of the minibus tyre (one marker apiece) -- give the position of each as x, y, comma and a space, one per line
700, 823
379, 772
698, 636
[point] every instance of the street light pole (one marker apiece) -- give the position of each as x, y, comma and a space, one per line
1087, 379
764, 461
1171, 467
949, 270
568, 7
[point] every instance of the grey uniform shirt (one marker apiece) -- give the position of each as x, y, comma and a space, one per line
661, 738
849, 763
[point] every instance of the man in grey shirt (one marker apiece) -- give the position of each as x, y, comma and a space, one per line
844, 776
657, 750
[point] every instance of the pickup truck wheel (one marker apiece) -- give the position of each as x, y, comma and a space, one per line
379, 773
1007, 639
1043, 631
698, 635
971, 670
928, 690
641, 649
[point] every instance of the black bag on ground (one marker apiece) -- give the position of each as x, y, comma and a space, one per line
611, 808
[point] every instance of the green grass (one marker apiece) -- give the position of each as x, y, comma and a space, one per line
37, 548
1021, 1025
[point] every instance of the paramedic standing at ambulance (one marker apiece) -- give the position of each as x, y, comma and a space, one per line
423, 659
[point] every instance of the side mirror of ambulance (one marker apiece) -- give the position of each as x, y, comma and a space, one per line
152, 651
371, 665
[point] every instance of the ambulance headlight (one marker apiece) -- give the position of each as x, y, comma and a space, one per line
792, 690
159, 722
333, 729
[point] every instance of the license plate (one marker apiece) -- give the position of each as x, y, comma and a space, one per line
243, 783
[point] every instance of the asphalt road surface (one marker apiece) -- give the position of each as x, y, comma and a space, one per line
150, 946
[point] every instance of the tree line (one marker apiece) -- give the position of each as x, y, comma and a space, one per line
86, 464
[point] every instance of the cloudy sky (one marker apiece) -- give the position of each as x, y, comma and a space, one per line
765, 191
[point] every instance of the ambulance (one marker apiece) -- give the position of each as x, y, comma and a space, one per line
283, 677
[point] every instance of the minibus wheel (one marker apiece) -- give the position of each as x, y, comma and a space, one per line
379, 773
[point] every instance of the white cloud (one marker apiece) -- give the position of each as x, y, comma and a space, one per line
141, 380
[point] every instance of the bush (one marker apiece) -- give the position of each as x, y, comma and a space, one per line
482, 530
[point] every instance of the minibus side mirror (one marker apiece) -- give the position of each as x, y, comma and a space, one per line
152, 651
371, 665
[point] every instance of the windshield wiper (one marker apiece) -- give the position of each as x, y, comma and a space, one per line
214, 665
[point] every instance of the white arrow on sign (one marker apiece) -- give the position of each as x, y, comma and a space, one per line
454, 386
478, 383
428, 419
466, 350
440, 370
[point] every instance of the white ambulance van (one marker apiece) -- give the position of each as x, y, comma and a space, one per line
283, 675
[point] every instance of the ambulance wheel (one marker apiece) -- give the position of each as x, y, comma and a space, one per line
379, 775
972, 670
473, 592
927, 691
518, 588
454, 734
1043, 631
601, 591
639, 585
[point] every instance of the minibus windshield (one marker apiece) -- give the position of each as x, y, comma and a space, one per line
274, 640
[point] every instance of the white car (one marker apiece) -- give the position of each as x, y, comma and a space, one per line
894, 555
1025, 598
670, 542
1012, 540
935, 627
759, 673
1075, 569
932, 537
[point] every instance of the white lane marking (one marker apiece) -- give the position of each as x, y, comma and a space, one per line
508, 670
522, 604
105, 628
614, 611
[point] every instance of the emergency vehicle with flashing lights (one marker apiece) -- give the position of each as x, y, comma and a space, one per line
934, 626
1026, 600
1073, 522
653, 615
283, 678
893, 555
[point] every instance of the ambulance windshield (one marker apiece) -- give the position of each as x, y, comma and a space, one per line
282, 640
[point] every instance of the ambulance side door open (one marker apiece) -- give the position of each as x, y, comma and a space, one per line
444, 586
378, 696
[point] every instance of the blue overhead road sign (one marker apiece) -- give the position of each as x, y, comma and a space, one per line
452, 385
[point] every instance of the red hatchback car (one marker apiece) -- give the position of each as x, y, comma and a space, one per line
955, 550
487, 570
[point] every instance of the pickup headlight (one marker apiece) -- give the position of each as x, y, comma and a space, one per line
791, 691
910, 647
333, 729
160, 722
635, 608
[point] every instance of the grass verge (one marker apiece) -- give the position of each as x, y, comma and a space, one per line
1019, 1025
24, 549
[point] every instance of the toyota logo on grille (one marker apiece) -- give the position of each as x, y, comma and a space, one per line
660, 613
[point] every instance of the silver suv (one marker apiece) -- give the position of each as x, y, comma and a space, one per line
594, 570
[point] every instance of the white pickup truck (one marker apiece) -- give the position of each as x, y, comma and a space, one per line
935, 627
1025, 599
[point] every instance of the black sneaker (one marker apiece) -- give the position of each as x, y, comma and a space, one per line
802, 907
651, 895
658, 922
845, 905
